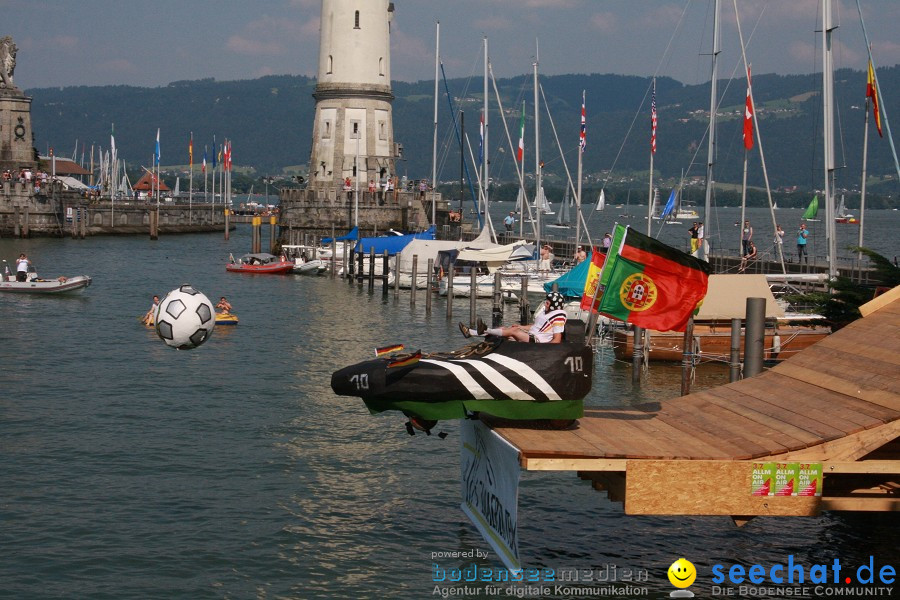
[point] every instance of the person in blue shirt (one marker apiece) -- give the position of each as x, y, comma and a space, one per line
509, 221
802, 234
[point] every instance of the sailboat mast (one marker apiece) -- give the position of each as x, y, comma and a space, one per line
862, 185
713, 103
582, 143
828, 129
652, 152
537, 158
484, 142
434, 144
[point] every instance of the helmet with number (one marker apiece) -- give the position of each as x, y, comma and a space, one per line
556, 301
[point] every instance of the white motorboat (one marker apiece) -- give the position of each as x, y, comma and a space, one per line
306, 259
36, 285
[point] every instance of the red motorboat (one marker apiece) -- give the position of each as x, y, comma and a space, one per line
260, 263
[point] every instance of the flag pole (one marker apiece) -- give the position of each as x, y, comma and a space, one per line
652, 152
582, 143
191, 181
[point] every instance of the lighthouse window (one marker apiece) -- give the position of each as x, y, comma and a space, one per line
381, 66
326, 129
356, 20
355, 128
382, 130
330, 64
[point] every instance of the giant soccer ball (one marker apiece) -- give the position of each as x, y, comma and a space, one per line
185, 318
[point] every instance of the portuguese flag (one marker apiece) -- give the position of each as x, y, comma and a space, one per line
649, 284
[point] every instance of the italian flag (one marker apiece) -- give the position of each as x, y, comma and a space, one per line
520, 154
649, 284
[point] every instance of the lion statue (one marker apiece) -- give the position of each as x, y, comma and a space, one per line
7, 61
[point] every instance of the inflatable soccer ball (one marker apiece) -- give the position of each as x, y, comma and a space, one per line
185, 318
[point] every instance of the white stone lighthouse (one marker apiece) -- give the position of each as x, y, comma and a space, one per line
353, 123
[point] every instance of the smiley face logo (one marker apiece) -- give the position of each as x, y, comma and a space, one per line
682, 573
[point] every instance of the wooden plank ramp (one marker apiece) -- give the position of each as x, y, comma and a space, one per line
836, 403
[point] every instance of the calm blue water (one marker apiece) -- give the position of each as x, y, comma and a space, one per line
130, 470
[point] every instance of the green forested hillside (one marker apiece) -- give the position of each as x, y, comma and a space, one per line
269, 121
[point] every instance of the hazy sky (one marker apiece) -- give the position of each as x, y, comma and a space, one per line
154, 42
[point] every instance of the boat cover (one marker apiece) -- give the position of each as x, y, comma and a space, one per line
494, 258
392, 243
350, 235
512, 380
425, 249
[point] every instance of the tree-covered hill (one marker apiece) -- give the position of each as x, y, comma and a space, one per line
269, 121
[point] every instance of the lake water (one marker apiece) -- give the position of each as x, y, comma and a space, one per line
131, 470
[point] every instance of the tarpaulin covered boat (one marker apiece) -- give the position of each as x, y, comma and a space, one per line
507, 379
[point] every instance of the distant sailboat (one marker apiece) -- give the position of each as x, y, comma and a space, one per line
562, 217
843, 215
812, 210
601, 201
543, 203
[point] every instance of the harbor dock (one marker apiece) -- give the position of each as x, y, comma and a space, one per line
835, 405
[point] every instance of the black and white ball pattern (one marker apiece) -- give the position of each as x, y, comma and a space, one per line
185, 318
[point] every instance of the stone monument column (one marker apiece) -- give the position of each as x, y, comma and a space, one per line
16, 140
353, 95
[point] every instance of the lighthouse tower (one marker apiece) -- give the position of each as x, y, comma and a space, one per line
353, 126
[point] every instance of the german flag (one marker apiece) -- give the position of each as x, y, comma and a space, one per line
649, 284
405, 360
388, 349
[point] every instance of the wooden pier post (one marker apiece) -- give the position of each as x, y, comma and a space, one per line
497, 308
524, 317
385, 270
227, 223
83, 228
415, 274
637, 355
473, 296
372, 269
735, 359
25, 229
687, 357
397, 275
428, 275
754, 336
17, 230
450, 292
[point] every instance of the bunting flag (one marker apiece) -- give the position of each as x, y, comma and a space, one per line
156, 153
872, 92
388, 349
649, 284
203, 168
582, 141
670, 204
590, 299
748, 117
226, 150
520, 154
653, 120
191, 150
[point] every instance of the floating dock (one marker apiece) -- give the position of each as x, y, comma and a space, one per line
834, 406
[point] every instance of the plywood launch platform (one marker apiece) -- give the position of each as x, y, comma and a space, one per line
836, 403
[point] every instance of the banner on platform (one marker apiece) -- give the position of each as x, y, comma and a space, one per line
490, 472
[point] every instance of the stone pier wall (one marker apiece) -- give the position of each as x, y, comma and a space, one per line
315, 212
57, 213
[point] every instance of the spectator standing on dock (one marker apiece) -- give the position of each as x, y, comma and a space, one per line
802, 234
607, 242
546, 258
580, 255
423, 187
509, 221
548, 327
22, 264
695, 240
746, 236
779, 241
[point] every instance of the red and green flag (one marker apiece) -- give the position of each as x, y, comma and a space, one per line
649, 284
